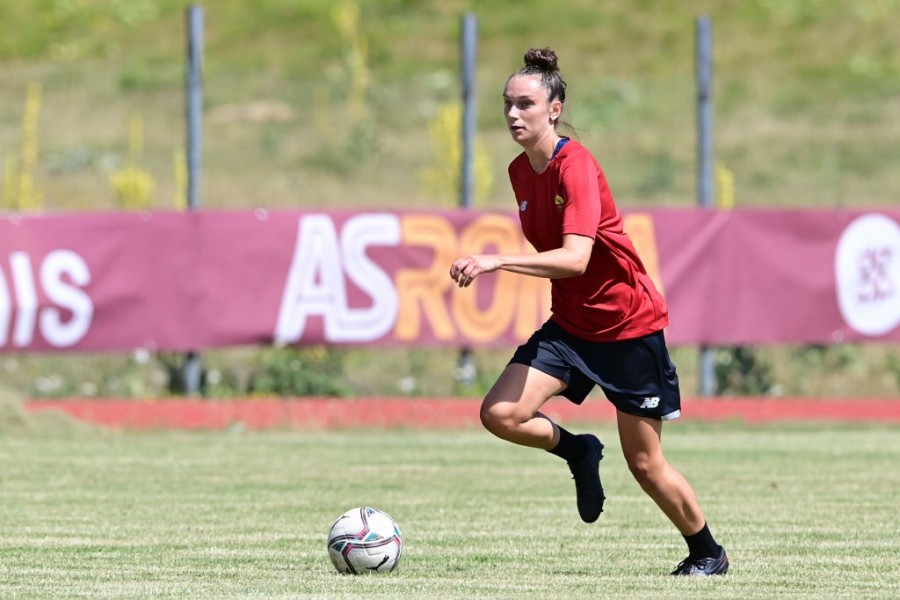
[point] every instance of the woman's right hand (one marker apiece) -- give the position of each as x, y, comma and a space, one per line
465, 270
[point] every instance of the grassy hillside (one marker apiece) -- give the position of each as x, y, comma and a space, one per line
308, 103
302, 110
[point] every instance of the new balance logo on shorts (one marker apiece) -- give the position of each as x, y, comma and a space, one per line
651, 402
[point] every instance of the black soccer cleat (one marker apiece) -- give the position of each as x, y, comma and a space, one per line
588, 489
702, 567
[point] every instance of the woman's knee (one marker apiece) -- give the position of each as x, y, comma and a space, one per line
646, 468
500, 418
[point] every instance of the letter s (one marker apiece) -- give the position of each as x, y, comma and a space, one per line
360, 232
56, 331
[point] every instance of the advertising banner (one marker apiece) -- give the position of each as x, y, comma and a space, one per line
190, 281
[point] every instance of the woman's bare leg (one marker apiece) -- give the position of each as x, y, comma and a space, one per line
511, 408
641, 444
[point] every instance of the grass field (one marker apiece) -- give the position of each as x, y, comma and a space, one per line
805, 510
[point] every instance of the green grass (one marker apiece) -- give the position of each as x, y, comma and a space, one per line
804, 510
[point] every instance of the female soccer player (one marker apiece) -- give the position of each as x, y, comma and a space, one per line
607, 318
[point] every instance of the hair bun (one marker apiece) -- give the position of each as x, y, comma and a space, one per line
543, 59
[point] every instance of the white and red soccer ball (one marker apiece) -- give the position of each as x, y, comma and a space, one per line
365, 540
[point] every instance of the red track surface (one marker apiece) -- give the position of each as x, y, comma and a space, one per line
324, 413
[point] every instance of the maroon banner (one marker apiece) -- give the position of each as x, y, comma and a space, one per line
180, 281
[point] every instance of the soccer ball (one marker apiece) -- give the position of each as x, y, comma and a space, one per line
365, 540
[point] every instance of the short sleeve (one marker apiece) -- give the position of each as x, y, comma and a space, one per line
580, 197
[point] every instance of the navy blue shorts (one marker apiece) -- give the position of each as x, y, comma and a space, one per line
636, 375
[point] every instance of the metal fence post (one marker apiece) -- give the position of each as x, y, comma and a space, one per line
192, 369
466, 370
707, 375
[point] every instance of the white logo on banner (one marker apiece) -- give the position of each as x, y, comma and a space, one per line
867, 274
316, 285
60, 276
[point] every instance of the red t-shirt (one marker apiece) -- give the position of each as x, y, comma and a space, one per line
614, 299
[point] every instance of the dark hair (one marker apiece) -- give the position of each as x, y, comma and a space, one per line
543, 62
